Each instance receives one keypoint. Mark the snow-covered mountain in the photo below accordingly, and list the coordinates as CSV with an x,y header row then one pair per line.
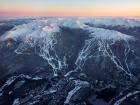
x,y
72,49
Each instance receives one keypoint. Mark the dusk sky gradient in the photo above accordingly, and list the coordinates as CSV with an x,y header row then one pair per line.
x,y
69,8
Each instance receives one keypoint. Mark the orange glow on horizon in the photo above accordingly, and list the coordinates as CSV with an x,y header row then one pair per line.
x,y
68,13
17,8
32,11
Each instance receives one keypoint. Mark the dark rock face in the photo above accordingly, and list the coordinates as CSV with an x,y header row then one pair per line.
x,y
25,90
38,91
82,64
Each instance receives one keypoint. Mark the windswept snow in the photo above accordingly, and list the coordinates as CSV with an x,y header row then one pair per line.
x,y
105,34
114,22
51,28
53,24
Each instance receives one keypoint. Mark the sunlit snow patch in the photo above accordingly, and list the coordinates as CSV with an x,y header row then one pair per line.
x,y
105,34
51,28
14,33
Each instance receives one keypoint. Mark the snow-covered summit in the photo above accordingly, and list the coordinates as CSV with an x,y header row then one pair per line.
x,y
126,22
52,25
106,34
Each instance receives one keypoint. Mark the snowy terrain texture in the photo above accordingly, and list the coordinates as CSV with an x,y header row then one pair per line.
x,y
70,61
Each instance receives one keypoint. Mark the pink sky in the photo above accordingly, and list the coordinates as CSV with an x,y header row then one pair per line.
x,y
18,8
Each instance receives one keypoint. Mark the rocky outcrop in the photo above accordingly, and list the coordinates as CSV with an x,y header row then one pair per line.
x,y
26,90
